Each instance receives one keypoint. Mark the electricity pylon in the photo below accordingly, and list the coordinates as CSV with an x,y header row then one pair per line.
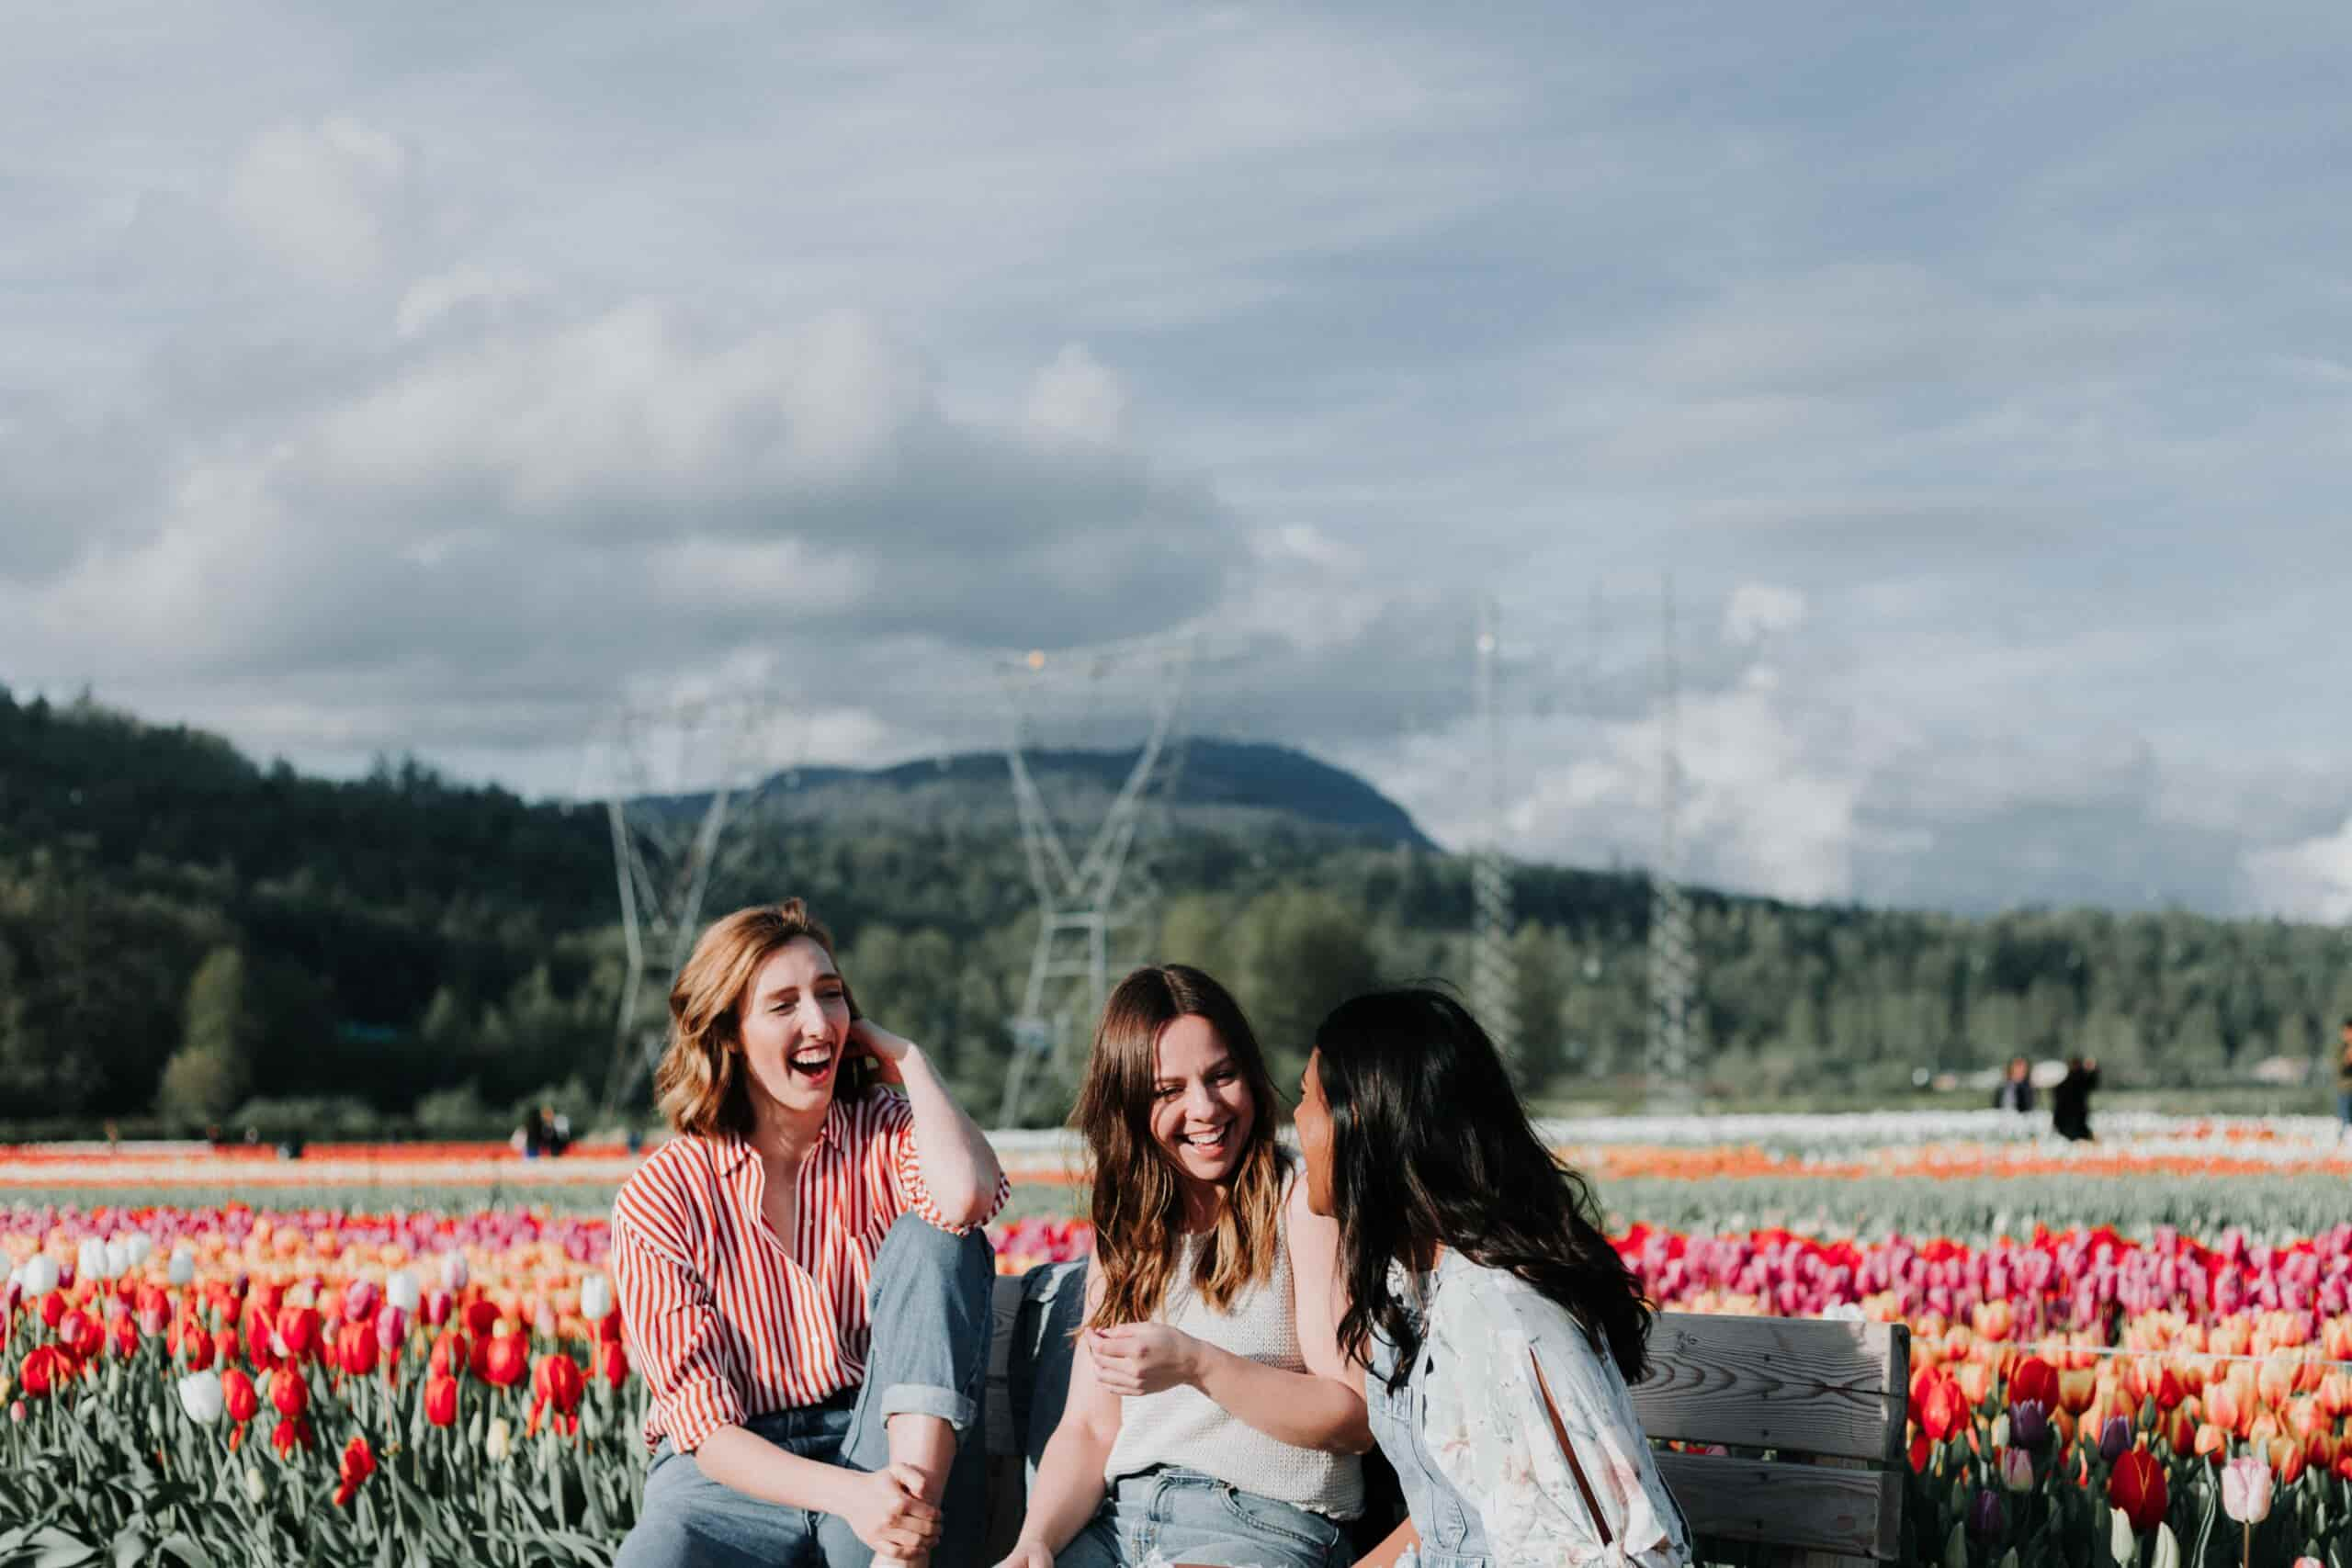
x,y
1673,967
1086,900
673,780
1494,971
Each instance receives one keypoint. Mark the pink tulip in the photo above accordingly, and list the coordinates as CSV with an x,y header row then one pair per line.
x,y
2246,1490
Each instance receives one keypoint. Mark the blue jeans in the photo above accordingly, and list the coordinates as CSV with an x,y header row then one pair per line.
x,y
930,1354
1183,1516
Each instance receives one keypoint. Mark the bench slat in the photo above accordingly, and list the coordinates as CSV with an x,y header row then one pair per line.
x,y
1804,1386
1857,1513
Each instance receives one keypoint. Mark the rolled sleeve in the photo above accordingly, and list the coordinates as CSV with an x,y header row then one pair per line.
x,y
908,1189
673,1334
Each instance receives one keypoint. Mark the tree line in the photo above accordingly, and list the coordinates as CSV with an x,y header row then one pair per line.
x,y
189,939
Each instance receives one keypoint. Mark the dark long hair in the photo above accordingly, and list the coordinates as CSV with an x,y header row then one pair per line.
x,y
1139,1197
1430,1147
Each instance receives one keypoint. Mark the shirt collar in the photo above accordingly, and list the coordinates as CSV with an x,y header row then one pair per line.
x,y
732,1153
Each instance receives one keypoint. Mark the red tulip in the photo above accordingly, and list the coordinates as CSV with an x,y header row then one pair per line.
x,y
126,1339
613,1363
238,1395
2035,1378
358,1464
503,1359
45,1366
286,1435
52,1308
289,1392
441,1400
298,1327
481,1316
1945,1411
258,1334
2138,1488
81,1335
355,1348
556,1385
449,1354
196,1347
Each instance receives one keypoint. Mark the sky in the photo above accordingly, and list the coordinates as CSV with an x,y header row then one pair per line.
x,y
438,379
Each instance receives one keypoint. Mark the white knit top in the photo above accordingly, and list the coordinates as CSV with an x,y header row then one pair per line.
x,y
1181,1425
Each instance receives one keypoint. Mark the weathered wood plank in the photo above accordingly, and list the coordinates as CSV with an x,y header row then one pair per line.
x,y
1807,1506
1799,1384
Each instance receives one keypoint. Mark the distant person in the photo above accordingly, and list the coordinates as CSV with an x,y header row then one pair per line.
x,y
2344,1085
2016,1093
529,1140
555,1132
2070,1102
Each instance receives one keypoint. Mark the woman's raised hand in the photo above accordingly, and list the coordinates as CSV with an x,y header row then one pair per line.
x,y
887,1512
1135,1359
886,1049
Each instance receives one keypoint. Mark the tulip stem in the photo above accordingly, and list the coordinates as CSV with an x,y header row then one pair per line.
x,y
2249,1545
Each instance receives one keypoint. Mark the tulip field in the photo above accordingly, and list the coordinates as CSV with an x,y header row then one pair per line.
x,y
2134,1352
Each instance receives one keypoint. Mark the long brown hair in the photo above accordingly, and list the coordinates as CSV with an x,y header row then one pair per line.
x,y
1138,1201
703,1084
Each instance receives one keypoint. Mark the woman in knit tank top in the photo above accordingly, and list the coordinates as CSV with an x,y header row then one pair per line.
x,y
1211,1419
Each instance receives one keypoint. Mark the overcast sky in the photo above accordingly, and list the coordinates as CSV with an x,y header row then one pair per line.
x,y
427,379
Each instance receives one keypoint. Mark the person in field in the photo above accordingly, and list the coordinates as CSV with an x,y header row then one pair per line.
x,y
801,1274
1210,1418
1493,1325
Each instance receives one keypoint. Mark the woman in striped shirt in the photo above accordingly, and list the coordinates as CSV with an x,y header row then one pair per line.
x,y
801,1274
1211,1419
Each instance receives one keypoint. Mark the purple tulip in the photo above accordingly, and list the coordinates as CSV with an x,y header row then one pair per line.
x,y
1984,1513
2114,1437
2030,1423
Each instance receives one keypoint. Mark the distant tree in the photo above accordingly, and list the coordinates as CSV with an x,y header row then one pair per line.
x,y
1540,960
208,1074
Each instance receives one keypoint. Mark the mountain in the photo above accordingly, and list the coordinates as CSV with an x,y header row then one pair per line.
x,y
1224,786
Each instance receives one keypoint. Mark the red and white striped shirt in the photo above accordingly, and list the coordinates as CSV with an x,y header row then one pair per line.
x,y
726,1322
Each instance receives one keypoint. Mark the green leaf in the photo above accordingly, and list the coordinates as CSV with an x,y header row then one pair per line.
x,y
187,1550
55,1549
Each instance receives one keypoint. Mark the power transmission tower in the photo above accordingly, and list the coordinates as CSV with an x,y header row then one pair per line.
x,y
1673,968
672,781
1494,974
1083,905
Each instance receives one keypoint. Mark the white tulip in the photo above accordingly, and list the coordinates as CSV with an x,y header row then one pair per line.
x,y
453,1271
91,1262
41,1275
256,1484
182,1270
499,1441
141,1247
118,1259
400,1290
595,1298
200,1397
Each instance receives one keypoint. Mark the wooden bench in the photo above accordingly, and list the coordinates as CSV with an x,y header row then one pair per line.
x,y
1811,1413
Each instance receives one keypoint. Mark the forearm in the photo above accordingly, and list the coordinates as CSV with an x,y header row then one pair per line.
x,y
1302,1409
735,1457
958,1165
1069,1487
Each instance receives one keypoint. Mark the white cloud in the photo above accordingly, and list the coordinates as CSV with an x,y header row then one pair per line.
x,y
322,199
1076,398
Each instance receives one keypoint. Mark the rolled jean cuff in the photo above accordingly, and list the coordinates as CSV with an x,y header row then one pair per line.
x,y
928,1399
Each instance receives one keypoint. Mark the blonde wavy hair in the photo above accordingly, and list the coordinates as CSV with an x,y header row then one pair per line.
x,y
703,1084
1139,1197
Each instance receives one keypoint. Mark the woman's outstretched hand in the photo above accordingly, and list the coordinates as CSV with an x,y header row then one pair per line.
x,y
887,1512
1135,1359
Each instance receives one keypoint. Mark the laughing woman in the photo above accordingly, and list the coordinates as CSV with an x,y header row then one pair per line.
x,y
801,1274
1210,1416
1498,1327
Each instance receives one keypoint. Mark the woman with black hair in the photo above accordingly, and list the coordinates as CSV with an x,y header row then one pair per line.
x,y
1497,1327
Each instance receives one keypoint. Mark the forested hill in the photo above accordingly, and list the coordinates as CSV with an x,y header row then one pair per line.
x,y
186,935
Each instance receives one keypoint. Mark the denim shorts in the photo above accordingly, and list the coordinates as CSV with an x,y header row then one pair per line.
x,y
1168,1515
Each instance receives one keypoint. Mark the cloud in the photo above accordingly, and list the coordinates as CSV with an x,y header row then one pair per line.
x,y
322,199
1076,398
